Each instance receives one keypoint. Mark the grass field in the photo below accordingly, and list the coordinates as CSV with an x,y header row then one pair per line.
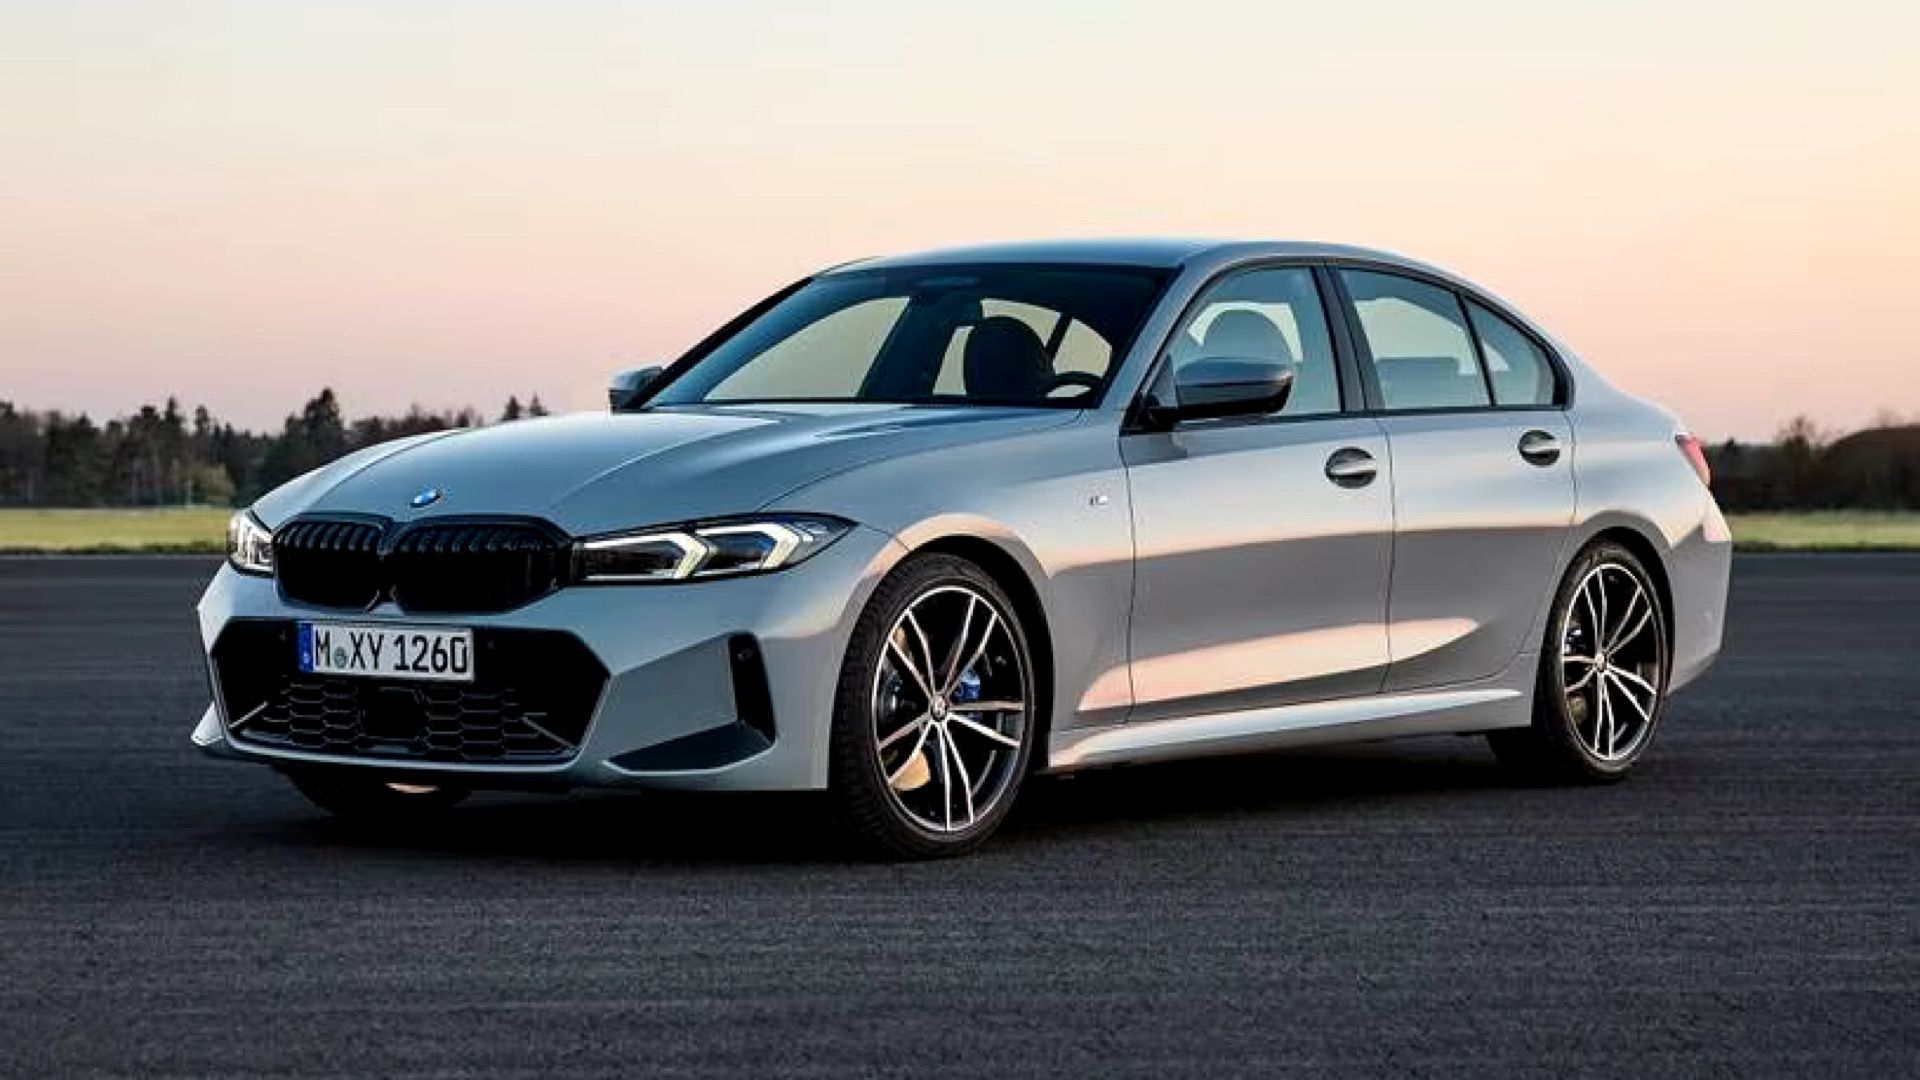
x,y
203,529
1827,530
168,529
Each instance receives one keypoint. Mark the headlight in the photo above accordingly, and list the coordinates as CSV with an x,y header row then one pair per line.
x,y
249,544
715,549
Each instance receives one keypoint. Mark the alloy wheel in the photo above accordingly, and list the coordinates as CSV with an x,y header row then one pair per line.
x,y
949,710
1611,660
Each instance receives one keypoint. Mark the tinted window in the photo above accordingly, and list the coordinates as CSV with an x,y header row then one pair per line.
x,y
1519,368
1418,337
829,357
1005,335
1071,345
1273,315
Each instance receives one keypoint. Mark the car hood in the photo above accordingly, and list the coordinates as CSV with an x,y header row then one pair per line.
x,y
590,473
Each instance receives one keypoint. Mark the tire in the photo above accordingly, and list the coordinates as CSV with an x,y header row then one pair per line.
x,y
1574,738
373,799
908,779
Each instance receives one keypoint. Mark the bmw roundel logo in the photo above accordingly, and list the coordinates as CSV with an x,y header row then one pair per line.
x,y
427,497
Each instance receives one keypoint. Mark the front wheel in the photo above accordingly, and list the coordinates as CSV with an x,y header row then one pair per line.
x,y
1602,685
934,717
372,799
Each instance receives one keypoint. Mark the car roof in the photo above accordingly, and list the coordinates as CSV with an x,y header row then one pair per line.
x,y
1204,256
1166,253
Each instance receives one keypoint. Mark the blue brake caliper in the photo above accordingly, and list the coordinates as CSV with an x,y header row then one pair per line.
x,y
968,688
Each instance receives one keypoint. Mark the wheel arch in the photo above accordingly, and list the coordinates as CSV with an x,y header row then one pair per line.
x,y
1640,542
1011,574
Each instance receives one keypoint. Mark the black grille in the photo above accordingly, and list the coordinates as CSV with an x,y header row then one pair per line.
x,y
332,563
475,566
533,694
453,566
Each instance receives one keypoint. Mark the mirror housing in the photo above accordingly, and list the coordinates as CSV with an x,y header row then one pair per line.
x,y
627,388
1213,387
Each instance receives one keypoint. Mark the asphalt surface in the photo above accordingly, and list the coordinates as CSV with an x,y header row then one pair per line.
x,y
1748,904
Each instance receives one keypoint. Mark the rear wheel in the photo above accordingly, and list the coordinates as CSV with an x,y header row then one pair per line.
x,y
1602,685
934,717
374,799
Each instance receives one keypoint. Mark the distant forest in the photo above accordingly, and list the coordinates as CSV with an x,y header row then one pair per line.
x,y
163,456
1803,468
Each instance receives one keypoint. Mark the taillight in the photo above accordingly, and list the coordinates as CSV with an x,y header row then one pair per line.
x,y
1696,457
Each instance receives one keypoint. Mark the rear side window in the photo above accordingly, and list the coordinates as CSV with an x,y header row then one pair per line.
x,y
1518,367
1417,335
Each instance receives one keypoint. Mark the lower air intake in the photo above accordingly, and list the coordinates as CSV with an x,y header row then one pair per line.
x,y
532,698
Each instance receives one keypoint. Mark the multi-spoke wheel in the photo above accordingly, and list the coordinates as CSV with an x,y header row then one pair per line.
x,y
935,715
1603,673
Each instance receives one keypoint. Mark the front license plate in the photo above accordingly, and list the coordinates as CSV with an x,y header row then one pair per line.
x,y
435,654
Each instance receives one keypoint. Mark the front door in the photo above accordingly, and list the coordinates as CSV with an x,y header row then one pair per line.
x,y
1263,545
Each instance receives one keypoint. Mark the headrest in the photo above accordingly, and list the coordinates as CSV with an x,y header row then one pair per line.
x,y
1006,361
1239,332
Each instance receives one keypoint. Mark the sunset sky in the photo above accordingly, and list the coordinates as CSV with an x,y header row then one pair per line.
x,y
443,203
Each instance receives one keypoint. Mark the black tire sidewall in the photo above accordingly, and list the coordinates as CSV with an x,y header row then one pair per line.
x,y
859,789
1552,719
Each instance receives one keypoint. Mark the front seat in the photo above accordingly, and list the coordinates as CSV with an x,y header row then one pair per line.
x,y
1246,335
1006,361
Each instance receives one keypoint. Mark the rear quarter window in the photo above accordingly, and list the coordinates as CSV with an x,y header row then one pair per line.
x,y
1517,366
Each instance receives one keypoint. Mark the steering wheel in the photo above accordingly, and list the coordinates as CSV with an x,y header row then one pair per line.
x,y
1082,379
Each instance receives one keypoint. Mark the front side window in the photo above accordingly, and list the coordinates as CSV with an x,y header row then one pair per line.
x,y
1417,335
989,335
1518,367
1272,315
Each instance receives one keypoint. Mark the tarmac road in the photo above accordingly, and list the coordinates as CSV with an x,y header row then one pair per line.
x,y
1748,904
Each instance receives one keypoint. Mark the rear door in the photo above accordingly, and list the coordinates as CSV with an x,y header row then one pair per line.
x,y
1483,473
1263,543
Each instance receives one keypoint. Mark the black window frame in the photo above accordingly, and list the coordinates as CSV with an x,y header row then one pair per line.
x,y
1563,385
698,352
1346,368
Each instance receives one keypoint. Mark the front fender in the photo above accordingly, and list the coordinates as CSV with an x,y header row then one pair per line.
x,y
1055,502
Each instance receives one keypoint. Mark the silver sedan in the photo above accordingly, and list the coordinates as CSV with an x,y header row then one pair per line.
x,y
914,529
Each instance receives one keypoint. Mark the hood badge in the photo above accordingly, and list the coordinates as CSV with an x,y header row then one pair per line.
x,y
427,497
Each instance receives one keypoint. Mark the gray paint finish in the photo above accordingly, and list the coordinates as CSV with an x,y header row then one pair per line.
x,y
1203,590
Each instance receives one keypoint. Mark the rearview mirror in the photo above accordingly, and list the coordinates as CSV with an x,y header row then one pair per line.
x,y
1217,386
627,388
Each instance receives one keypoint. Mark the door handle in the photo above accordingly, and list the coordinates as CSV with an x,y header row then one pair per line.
x,y
1539,448
1351,467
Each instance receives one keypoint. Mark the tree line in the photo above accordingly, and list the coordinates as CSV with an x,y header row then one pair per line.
x,y
1805,468
161,456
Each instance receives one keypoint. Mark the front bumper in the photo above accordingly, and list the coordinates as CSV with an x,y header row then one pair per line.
x,y
669,714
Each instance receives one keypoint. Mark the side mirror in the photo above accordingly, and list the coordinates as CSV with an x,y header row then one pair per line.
x,y
627,388
1217,386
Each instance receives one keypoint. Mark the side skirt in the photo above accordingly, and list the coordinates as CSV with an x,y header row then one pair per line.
x,y
1386,716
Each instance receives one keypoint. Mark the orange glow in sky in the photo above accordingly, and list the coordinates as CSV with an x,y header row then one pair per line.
x,y
444,203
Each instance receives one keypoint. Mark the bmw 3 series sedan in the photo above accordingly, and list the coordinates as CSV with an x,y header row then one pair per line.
x,y
914,529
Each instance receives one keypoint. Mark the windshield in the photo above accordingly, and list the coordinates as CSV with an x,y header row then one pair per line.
x,y
990,335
